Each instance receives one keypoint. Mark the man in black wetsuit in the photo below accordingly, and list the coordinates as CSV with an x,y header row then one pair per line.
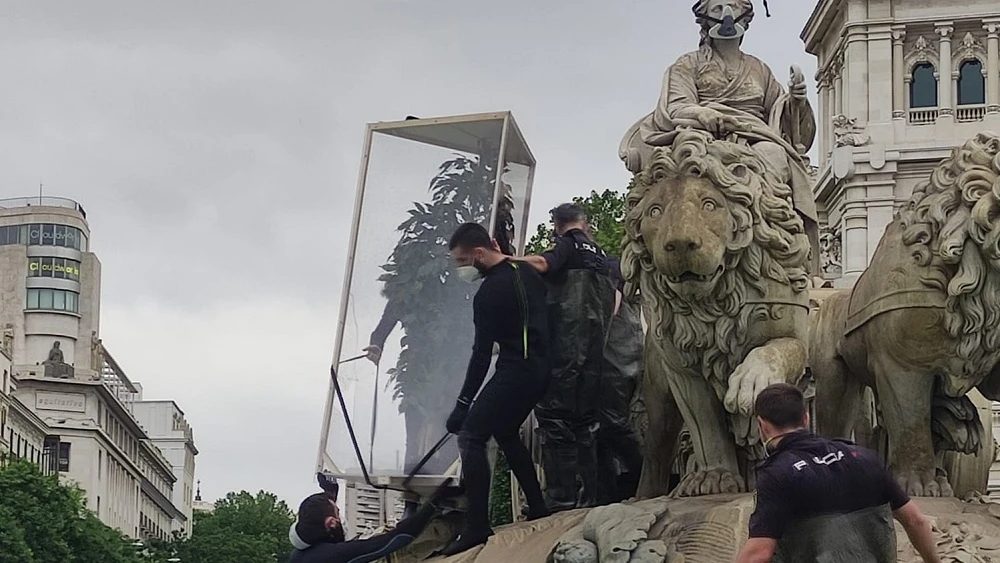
x,y
508,309
824,500
581,303
318,535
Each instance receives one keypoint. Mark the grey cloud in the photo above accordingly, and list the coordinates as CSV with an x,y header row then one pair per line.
x,y
216,143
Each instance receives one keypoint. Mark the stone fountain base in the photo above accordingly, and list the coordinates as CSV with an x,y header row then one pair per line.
x,y
697,530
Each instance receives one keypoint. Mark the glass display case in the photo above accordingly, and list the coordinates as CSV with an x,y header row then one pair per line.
x,y
420,179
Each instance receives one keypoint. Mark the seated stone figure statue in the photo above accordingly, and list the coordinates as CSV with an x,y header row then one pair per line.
x,y
735,96
55,365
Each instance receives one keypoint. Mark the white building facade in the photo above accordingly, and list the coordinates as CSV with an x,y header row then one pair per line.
x,y
170,432
368,510
50,284
69,404
901,83
102,448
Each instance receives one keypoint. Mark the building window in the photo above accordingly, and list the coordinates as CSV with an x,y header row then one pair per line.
x,y
44,234
53,300
971,83
48,267
14,234
923,87
64,457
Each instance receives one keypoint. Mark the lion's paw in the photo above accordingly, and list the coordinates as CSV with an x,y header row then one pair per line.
x,y
709,482
749,378
925,484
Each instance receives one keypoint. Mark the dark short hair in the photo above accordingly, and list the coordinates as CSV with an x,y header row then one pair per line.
x,y
468,236
313,512
782,405
567,213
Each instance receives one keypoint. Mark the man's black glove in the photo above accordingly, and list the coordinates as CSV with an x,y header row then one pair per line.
x,y
457,416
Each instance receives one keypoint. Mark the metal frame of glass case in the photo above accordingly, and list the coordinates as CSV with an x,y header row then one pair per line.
x,y
464,134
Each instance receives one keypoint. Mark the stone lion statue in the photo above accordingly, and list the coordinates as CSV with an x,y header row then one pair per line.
x,y
719,257
922,325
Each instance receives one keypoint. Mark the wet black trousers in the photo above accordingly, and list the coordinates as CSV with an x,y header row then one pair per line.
x,y
498,412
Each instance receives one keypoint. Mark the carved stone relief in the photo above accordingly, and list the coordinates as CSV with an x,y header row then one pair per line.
x,y
830,253
847,132
921,51
970,48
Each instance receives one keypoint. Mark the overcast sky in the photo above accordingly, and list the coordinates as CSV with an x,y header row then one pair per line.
x,y
215,145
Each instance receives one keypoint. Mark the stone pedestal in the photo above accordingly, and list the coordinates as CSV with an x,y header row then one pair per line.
x,y
695,530
58,370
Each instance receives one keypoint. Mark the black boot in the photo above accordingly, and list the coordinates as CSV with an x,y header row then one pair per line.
x,y
607,476
588,470
476,469
523,468
559,462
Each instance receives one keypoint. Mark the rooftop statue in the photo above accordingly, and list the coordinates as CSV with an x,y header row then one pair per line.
x,y
734,96
55,365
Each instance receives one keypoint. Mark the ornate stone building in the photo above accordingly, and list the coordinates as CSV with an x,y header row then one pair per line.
x,y
901,82
65,403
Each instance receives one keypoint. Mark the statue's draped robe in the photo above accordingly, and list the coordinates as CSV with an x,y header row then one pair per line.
x,y
752,96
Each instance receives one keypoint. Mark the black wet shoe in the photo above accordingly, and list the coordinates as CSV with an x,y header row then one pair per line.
x,y
533,515
466,541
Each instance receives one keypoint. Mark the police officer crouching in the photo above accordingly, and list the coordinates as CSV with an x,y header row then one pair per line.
x,y
824,500
581,301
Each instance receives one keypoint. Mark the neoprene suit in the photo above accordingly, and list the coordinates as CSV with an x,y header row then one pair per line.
x,y
371,549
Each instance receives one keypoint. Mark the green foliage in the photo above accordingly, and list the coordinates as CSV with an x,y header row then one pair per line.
x,y
501,511
244,528
13,547
42,521
606,214
432,304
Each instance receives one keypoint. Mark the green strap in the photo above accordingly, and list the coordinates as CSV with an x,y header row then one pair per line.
x,y
522,299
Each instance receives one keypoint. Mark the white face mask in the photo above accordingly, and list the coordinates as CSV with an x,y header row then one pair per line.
x,y
469,273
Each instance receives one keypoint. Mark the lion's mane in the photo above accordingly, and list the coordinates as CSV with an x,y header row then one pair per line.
x,y
952,225
769,242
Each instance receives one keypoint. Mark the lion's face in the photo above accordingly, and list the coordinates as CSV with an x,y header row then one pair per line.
x,y
687,227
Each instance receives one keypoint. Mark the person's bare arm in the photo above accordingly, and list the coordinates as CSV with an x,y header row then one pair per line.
x,y
918,529
757,550
539,263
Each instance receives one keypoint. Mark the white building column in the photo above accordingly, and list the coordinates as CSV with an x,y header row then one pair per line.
x,y
992,27
856,95
945,81
838,86
898,73
855,233
825,95
880,202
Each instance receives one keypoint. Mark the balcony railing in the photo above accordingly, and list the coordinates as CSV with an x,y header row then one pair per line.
x,y
14,202
969,114
923,116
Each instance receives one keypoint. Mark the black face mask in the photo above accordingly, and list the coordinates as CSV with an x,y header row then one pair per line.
x,y
337,535
767,12
727,25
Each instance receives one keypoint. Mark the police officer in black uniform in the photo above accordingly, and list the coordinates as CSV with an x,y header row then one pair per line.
x,y
581,303
824,500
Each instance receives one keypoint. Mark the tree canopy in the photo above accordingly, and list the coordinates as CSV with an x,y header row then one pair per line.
x,y
43,521
606,214
244,528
